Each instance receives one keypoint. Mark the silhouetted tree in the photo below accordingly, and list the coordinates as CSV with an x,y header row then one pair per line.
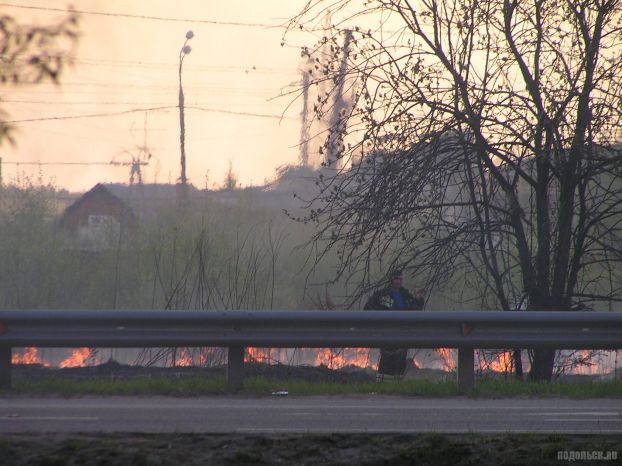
x,y
231,179
32,54
482,143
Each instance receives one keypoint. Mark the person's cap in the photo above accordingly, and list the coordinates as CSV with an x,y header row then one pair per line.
x,y
396,273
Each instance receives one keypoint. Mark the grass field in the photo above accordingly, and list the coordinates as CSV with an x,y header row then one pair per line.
x,y
198,385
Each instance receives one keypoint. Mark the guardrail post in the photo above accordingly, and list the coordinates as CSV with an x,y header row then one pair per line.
x,y
466,374
235,368
5,367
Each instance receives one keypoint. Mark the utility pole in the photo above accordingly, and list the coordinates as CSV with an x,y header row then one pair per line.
x,y
185,50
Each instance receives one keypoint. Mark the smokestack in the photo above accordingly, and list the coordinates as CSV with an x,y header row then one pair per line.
x,y
304,130
337,117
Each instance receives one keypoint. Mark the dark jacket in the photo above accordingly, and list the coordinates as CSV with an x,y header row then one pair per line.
x,y
393,361
382,300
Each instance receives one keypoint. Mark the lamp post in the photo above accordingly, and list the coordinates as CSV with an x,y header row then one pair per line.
x,y
185,50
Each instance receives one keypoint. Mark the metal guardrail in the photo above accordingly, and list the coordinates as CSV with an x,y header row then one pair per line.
x,y
236,330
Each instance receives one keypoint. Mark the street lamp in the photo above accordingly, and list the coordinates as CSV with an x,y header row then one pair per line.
x,y
185,50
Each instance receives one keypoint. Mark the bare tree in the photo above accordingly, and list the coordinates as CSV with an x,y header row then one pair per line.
x,y
32,54
231,179
483,144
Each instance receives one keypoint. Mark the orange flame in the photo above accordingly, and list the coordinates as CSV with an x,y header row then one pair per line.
x,y
343,357
29,356
447,357
586,369
78,358
197,356
416,363
359,357
185,359
502,362
259,355
331,358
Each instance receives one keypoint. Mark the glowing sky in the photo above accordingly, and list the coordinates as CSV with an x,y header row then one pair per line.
x,y
127,63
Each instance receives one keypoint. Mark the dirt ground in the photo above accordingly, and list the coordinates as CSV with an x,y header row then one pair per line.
x,y
311,450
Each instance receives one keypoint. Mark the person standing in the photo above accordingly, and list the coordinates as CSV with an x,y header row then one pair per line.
x,y
395,297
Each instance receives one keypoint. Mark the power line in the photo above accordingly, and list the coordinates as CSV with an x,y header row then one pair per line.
x,y
249,69
135,95
260,115
150,87
134,110
17,162
90,102
155,18
220,92
90,115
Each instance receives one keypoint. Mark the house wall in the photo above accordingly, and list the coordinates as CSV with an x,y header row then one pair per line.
x,y
95,205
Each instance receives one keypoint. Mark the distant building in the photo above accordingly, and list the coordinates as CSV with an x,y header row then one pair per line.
x,y
96,218
148,200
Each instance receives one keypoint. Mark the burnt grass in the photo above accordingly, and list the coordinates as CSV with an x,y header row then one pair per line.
x,y
117,371
298,449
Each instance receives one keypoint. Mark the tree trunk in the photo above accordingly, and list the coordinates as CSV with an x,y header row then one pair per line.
x,y
542,365
518,364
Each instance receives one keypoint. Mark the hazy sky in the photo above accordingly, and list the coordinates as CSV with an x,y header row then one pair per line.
x,y
126,62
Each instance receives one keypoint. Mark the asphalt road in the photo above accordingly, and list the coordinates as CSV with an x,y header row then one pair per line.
x,y
277,414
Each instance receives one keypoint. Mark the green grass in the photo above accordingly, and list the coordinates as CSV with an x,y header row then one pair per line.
x,y
194,386
189,386
512,387
405,387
